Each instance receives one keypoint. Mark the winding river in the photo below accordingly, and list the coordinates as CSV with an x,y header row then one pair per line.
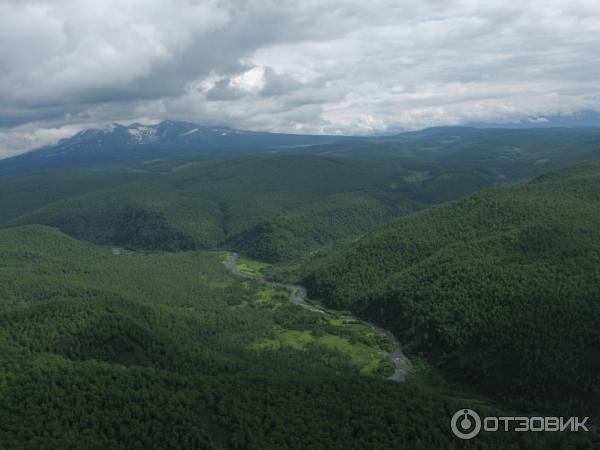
x,y
298,295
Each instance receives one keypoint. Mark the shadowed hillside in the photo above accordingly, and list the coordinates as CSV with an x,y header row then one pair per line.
x,y
498,288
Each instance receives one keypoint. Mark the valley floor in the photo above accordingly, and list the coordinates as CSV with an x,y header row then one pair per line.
x,y
298,296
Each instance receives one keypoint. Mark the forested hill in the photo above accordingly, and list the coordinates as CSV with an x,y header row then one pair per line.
x,y
272,207
501,288
103,350
271,204
155,345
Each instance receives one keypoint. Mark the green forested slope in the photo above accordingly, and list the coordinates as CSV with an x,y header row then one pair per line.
x,y
147,349
272,207
501,288
155,350
280,204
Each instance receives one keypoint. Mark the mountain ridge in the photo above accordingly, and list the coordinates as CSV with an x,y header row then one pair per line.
x,y
165,139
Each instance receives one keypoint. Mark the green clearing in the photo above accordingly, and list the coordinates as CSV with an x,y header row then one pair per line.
x,y
252,267
352,339
366,359
415,177
266,297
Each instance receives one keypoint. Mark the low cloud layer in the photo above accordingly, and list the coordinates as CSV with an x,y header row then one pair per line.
x,y
312,66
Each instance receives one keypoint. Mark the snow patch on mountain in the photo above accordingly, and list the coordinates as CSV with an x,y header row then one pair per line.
x,y
190,132
143,134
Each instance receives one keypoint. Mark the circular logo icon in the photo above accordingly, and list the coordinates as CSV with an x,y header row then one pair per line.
x,y
465,424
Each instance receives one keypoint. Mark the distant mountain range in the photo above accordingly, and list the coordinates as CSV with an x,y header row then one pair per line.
x,y
580,119
166,139
137,142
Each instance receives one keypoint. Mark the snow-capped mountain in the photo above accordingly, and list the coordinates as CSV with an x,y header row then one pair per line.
x,y
168,138
164,133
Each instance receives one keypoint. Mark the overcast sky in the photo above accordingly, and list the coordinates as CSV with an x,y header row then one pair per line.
x,y
297,66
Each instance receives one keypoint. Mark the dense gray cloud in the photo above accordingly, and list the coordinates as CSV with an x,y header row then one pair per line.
x,y
318,66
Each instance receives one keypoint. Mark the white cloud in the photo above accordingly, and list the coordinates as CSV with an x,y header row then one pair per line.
x,y
301,66
251,80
